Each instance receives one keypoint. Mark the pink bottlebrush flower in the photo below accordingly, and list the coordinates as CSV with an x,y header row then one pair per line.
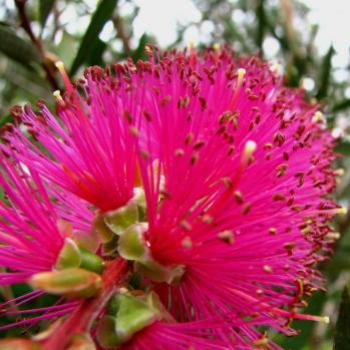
x,y
32,231
89,149
236,170
236,174
31,240
176,336
32,220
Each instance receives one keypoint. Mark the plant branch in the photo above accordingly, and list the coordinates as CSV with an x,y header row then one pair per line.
x,y
46,62
88,310
121,33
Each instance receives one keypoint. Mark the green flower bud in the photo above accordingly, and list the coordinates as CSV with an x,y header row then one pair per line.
x,y
111,248
133,315
159,273
81,341
102,230
91,261
87,240
131,245
74,282
106,335
129,314
69,255
18,344
120,219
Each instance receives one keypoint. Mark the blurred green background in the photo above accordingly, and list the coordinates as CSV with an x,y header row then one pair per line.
x,y
33,34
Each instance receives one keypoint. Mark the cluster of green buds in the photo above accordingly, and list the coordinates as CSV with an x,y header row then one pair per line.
x,y
123,233
77,274
127,314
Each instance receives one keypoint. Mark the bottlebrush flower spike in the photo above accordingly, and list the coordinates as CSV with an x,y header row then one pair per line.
x,y
31,240
151,322
91,144
176,336
236,180
35,219
236,172
32,232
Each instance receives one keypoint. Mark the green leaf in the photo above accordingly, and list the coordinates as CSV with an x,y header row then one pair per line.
x,y
96,57
261,25
45,7
67,48
101,16
325,73
16,48
316,303
342,329
344,104
343,147
7,118
139,53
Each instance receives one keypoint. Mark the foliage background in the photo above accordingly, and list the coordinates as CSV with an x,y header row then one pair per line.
x,y
33,34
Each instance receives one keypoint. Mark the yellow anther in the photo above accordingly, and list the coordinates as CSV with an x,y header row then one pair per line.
x,y
60,66
216,46
333,235
324,319
267,268
276,68
249,149
227,236
339,172
191,44
272,230
58,96
187,243
240,76
341,211
318,116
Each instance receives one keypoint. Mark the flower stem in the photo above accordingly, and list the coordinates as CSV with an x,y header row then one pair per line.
x,y
89,309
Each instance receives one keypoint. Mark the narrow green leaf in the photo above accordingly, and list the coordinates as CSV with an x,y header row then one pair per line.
x,y
45,7
342,329
261,25
139,53
96,56
299,342
325,73
101,16
344,104
343,147
3,120
16,48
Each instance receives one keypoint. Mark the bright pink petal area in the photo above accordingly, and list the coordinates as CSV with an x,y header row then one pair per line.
x,y
33,316
237,173
191,335
89,149
32,232
74,210
29,234
248,226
